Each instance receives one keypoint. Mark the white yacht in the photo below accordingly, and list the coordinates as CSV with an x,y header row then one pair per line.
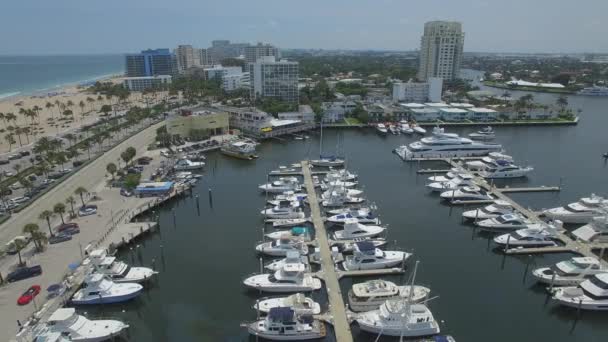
x,y
594,91
288,196
418,129
581,211
488,161
240,149
292,257
505,222
353,230
282,185
405,127
496,209
447,177
339,211
594,231
284,204
338,184
117,270
297,231
362,216
281,212
340,175
459,181
349,245
367,257
527,237
187,164
569,272
393,129
281,246
297,302
278,223
485,133
291,278
504,169
329,161
339,199
284,324
591,294
371,294
98,289
341,191
467,193
381,129
74,327
445,145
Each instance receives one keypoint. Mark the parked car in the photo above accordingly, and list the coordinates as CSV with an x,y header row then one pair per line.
x,y
32,177
38,158
15,186
126,192
133,170
64,226
55,175
25,153
29,295
7,192
77,163
65,171
14,156
60,238
47,182
24,273
19,199
87,210
71,231
4,161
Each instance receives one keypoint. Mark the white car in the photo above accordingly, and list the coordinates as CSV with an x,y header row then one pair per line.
x,y
19,199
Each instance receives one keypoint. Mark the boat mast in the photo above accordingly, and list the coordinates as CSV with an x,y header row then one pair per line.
x,y
321,141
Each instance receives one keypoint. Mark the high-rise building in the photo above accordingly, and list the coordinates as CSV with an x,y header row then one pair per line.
x,y
274,79
151,63
205,57
441,50
252,53
187,57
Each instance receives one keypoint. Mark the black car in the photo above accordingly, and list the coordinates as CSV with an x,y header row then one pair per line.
x,y
77,163
55,175
24,273
32,177
4,161
25,153
60,238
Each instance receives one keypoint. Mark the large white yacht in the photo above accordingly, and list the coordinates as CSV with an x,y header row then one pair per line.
x,y
467,193
117,270
594,231
353,230
591,294
459,181
290,278
371,294
74,327
281,246
98,289
338,183
505,222
339,198
367,257
569,272
282,185
498,208
297,302
581,211
284,324
445,145
527,237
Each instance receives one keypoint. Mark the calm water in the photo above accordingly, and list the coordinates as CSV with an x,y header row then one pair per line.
x,y
31,74
483,295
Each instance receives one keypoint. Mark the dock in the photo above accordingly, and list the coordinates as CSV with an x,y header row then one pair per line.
x,y
340,318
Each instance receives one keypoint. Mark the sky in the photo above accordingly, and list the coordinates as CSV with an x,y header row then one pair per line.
x,y
119,26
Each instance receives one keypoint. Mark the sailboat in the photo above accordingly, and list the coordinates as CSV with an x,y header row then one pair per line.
x,y
326,161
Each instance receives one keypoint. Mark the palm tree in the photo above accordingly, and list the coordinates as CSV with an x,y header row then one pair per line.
x,y
80,191
49,106
562,101
32,229
71,138
37,110
59,208
10,140
111,168
70,200
81,105
86,144
90,100
2,118
19,131
46,215
17,245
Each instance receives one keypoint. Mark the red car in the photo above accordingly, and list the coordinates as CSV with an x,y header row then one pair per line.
x,y
29,295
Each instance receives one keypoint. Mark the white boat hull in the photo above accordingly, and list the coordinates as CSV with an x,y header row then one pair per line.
x,y
545,275
420,293
572,218
312,335
400,329
261,283
312,307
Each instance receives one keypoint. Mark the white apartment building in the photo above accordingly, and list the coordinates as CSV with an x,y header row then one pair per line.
x,y
187,57
274,79
418,91
441,49
145,82
231,78
252,53
219,71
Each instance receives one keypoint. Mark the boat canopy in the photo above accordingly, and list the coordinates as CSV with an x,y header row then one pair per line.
x,y
281,314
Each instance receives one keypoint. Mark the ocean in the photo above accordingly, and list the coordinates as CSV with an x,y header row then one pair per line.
x,y
25,75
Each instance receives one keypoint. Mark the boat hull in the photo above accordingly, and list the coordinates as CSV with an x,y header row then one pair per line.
x,y
239,155
106,300
422,329
312,335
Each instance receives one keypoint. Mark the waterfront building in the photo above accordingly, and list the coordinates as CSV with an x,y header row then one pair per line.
x,y
304,114
453,114
151,63
187,57
274,79
252,53
337,110
441,48
418,91
483,114
146,82
199,122
261,125
424,114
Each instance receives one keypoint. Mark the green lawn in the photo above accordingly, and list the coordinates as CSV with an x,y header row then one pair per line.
x,y
352,121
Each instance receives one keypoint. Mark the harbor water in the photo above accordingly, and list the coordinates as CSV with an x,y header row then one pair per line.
x,y
204,254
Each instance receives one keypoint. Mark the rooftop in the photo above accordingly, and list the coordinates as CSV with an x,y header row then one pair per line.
x,y
436,104
453,110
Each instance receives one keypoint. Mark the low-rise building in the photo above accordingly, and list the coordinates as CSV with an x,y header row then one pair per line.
x,y
146,82
304,114
418,91
453,114
337,110
261,125
235,82
424,114
200,122
483,114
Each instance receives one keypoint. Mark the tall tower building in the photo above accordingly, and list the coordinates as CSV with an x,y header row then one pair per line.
x,y
187,57
441,50
252,53
150,63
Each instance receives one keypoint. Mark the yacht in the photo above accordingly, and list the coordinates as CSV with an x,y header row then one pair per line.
x,y
187,164
467,193
505,222
341,191
485,133
98,289
349,246
594,91
569,272
282,185
117,270
405,127
504,169
339,211
284,324
328,161
290,278
591,294
340,175
290,196
362,216
283,170
283,212
496,209
367,257
338,184
447,177
240,149
459,181
581,211
297,302
488,162
418,129
393,129
281,246
381,129
292,257
296,231
74,327
527,237
445,145
339,199
353,229
278,223
594,231
284,203
371,294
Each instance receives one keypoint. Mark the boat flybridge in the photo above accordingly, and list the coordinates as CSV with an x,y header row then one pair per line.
x,y
445,145
505,222
581,211
117,270
291,257
505,169
284,212
362,216
591,294
371,294
74,327
281,185
99,289
297,302
354,230
528,237
367,257
467,193
284,324
461,180
594,231
290,278
496,209
488,161
486,133
569,272
281,246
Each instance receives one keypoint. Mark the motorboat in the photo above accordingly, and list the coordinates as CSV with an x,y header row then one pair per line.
x,y
371,294
341,191
447,177
99,289
381,129
570,272
591,294
281,246
504,169
594,91
594,231
496,209
349,245
362,216
405,127
284,324
445,145
505,222
488,161
581,211
117,270
240,149
283,169
527,237
461,180
340,175
290,196
328,161
292,257
339,199
187,164
367,257
296,231
393,129
290,278
283,212
278,223
339,211
467,193
485,133
297,302
281,185
353,229
74,327
419,130
284,203
338,184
